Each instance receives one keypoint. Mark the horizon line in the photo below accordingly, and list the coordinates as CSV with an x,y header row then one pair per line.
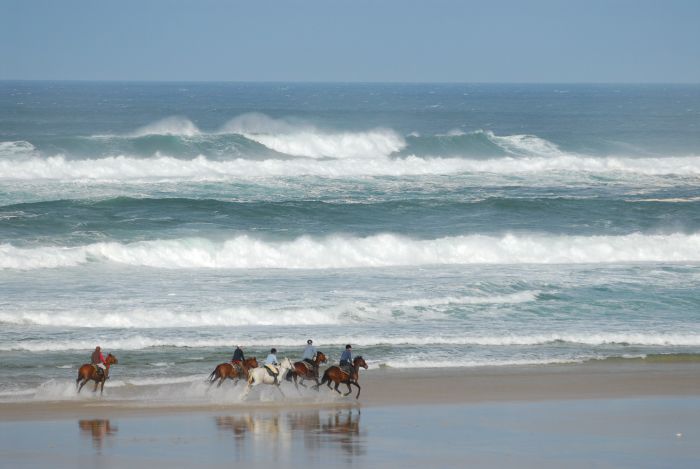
x,y
338,82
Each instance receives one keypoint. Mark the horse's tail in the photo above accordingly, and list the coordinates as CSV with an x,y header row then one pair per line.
x,y
250,379
290,374
325,378
211,376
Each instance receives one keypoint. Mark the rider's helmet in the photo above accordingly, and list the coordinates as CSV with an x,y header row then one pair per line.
x,y
309,341
274,350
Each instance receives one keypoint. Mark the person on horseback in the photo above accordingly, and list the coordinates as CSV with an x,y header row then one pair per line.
x,y
98,361
346,359
309,356
271,364
238,357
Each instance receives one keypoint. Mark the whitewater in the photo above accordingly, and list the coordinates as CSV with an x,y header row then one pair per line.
x,y
427,225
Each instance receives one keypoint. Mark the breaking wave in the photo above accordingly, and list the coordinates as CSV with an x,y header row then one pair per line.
x,y
159,168
139,342
384,250
306,140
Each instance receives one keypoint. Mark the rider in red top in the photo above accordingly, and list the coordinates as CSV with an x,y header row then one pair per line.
x,y
98,360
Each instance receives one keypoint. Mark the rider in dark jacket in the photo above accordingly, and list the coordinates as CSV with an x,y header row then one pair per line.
x,y
238,355
346,359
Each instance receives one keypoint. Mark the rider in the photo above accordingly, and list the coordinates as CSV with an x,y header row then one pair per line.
x,y
238,357
309,355
271,363
346,358
98,360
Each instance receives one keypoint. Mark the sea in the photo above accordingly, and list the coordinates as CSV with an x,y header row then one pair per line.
x,y
428,225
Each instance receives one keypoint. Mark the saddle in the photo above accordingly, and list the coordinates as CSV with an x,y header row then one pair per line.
x,y
272,370
347,369
308,365
98,370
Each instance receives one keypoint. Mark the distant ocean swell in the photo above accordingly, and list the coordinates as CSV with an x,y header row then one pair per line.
x,y
247,252
254,145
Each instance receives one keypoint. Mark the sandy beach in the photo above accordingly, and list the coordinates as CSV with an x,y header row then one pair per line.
x,y
386,387
630,414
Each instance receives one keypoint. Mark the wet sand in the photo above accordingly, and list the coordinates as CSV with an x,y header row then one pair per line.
x,y
651,432
589,415
386,387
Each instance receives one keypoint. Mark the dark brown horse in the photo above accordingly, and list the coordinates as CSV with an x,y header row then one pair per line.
x,y
301,371
89,372
336,375
232,372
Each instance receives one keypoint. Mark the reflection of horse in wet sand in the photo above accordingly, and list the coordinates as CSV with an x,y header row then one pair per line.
x,y
337,375
303,372
232,371
97,429
89,372
262,376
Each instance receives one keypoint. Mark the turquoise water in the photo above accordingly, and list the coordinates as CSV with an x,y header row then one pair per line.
x,y
428,225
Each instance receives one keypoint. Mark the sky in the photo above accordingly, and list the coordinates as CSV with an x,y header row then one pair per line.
x,y
505,41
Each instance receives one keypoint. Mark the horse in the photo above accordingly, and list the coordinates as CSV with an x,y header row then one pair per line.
x,y
303,372
260,375
232,372
336,375
89,372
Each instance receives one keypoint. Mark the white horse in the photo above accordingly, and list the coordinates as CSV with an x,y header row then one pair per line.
x,y
261,376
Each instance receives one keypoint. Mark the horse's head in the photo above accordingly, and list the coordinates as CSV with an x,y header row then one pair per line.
x,y
359,361
111,359
286,363
252,362
321,357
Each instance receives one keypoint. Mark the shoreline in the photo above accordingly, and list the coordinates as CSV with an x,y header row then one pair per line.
x,y
396,387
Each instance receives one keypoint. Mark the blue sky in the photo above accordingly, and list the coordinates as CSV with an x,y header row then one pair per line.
x,y
360,40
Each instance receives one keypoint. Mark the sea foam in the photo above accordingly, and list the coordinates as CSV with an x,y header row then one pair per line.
x,y
160,168
383,250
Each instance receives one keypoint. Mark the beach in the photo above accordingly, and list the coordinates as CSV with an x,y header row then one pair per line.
x,y
517,264
603,414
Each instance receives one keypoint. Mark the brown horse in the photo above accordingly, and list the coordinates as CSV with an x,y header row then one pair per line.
x,y
232,372
89,372
336,375
303,372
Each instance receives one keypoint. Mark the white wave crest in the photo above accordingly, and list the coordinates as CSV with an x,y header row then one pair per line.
x,y
174,125
526,145
384,250
141,342
520,297
298,139
16,148
157,318
160,168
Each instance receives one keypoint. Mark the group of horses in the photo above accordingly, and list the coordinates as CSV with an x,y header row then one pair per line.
x,y
298,372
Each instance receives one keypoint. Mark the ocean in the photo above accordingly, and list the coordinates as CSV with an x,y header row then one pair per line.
x,y
428,225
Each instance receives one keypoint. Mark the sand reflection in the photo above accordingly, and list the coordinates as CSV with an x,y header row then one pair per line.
x,y
280,432
97,429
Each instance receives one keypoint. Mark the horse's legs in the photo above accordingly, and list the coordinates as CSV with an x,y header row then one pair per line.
x,y
349,388
102,386
358,389
97,383
82,384
280,390
336,387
